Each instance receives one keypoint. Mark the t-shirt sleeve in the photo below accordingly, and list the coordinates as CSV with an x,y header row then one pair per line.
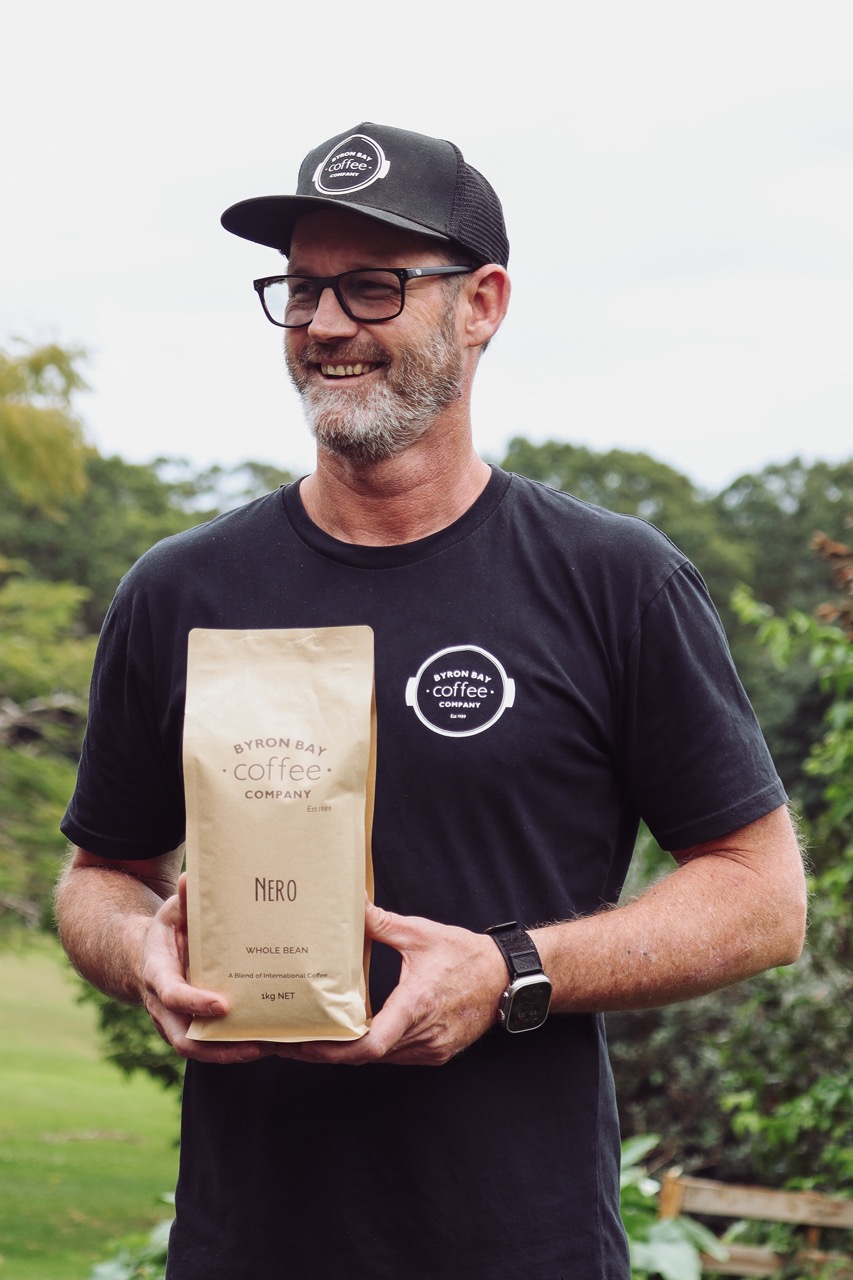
x,y
693,754
128,802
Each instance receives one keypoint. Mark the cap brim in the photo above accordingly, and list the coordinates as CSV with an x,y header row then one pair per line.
x,y
270,220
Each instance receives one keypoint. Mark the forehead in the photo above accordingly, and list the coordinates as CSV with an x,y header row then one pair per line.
x,y
342,234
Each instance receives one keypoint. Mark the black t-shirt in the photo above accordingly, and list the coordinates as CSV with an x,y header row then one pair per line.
x,y
547,673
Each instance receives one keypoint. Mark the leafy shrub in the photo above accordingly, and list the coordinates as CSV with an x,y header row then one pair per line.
x,y
138,1258
667,1248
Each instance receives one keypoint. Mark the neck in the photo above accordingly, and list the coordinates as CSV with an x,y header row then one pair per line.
x,y
399,500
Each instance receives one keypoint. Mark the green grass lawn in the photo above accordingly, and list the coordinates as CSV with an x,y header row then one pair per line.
x,y
85,1154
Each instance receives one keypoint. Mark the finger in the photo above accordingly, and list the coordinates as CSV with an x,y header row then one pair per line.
x,y
176,994
223,1054
404,933
391,1026
173,912
173,1028
182,898
388,1032
166,983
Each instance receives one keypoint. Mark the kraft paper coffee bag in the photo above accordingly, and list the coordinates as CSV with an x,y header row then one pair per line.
x,y
279,767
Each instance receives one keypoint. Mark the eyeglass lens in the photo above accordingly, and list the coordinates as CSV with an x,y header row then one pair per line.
x,y
366,295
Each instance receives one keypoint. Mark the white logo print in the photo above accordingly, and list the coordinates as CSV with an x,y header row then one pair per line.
x,y
460,691
351,165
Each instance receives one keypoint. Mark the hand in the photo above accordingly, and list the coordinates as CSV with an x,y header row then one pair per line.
x,y
170,1000
447,997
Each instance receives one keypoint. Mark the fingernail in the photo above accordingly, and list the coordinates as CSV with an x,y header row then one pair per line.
x,y
216,1009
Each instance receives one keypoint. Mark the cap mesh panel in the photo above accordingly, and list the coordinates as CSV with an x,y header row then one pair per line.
x,y
476,219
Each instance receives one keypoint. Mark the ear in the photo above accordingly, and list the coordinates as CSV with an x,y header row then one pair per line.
x,y
487,293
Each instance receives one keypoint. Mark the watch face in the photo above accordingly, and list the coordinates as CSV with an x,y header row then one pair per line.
x,y
529,1000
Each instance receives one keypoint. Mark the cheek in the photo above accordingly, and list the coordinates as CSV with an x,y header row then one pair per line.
x,y
293,347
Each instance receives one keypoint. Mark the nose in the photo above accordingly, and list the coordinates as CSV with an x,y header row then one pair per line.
x,y
330,320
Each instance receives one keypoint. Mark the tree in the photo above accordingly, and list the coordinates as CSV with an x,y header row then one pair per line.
x,y
219,488
773,516
801,1117
94,538
840,611
45,660
41,440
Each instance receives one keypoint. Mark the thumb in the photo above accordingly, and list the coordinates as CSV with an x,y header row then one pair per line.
x,y
388,927
376,920
182,895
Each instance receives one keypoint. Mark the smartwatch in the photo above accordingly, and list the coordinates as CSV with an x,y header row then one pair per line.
x,y
524,1005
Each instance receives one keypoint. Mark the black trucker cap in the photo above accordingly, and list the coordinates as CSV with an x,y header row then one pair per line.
x,y
406,179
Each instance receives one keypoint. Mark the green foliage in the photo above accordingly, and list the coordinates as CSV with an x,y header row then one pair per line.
x,y
668,1249
781,1079
43,650
44,673
93,539
774,514
829,652
138,1257
789,1240
807,1130
819,1115
41,441
666,1064
219,488
131,1041
34,791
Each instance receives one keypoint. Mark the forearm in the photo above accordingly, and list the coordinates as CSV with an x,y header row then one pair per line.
x,y
733,907
103,913
715,920
123,925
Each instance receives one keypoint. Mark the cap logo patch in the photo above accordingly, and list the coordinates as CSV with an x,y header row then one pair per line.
x,y
351,165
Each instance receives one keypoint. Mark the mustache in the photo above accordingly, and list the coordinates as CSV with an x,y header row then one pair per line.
x,y
342,353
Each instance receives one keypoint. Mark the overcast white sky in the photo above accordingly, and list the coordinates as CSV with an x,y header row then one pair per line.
x,y
677,179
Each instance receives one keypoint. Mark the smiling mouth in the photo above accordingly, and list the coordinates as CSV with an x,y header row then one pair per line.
x,y
348,370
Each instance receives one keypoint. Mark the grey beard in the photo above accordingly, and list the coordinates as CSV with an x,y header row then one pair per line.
x,y
398,411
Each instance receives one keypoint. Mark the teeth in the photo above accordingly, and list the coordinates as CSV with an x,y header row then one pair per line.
x,y
345,371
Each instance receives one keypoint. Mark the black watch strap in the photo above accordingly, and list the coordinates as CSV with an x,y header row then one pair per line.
x,y
517,948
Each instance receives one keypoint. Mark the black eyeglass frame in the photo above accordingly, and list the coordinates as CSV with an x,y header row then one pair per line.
x,y
403,274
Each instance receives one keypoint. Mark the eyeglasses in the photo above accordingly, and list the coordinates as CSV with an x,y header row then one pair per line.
x,y
369,296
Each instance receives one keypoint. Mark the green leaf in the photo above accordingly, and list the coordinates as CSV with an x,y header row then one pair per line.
x,y
671,1259
636,1148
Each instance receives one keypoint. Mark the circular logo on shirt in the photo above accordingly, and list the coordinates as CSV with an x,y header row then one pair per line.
x,y
351,165
460,691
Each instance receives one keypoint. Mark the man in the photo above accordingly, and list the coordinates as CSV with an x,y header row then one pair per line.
x,y
547,673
